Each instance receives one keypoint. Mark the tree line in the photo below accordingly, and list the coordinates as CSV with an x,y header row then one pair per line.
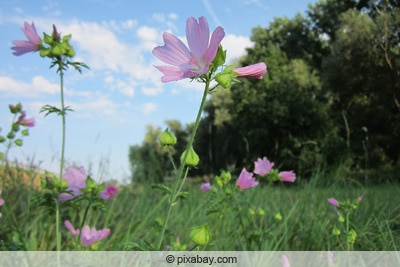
x,y
331,97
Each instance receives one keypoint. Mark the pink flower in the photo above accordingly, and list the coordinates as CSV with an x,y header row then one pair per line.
x,y
253,71
71,228
288,176
360,198
246,180
263,166
91,235
285,261
205,186
193,61
108,192
21,47
76,178
25,122
333,202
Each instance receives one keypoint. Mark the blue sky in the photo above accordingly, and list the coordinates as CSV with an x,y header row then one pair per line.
x,y
122,92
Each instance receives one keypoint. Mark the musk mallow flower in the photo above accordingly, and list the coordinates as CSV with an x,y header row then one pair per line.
x,y
256,71
76,179
205,186
246,180
30,122
191,61
287,176
109,192
21,46
262,166
91,235
333,202
71,229
285,261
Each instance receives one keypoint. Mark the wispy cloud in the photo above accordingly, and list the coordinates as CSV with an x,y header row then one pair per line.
x,y
210,10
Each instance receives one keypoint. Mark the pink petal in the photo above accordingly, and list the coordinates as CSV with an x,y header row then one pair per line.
x,y
333,202
197,35
253,71
216,39
287,176
173,52
285,261
69,226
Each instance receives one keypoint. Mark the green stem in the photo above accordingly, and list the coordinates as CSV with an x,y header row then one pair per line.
x,y
84,219
180,172
60,69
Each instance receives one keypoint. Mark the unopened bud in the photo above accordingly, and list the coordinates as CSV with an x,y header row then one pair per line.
x,y
192,159
167,138
200,235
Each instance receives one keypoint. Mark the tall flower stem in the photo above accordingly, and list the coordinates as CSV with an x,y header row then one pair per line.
x,y
180,173
60,63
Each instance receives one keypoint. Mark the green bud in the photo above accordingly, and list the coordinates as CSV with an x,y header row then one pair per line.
x,y
10,135
18,142
252,212
341,219
335,231
57,50
219,182
351,237
15,109
278,216
90,183
225,176
192,159
2,139
200,235
15,127
70,52
24,132
48,39
273,175
226,77
261,212
44,52
167,138
1,155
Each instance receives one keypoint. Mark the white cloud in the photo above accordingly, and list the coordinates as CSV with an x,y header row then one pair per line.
x,y
148,108
37,86
152,91
235,46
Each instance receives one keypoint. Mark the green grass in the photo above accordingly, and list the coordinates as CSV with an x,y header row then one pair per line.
x,y
137,212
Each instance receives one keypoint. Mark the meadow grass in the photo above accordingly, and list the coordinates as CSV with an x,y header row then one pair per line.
x,y
136,215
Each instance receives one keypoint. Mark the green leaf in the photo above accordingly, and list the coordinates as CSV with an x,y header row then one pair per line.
x,y
165,189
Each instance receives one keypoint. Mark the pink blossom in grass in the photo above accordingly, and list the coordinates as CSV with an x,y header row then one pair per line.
x,y
256,71
91,235
205,186
333,202
76,178
71,228
285,261
193,61
246,180
30,122
262,166
109,192
360,198
287,176
21,46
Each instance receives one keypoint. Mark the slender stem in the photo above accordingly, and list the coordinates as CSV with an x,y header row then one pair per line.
x,y
180,172
60,69
84,218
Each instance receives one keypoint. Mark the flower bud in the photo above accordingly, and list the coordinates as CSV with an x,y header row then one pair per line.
x,y
167,138
200,235
192,159
18,142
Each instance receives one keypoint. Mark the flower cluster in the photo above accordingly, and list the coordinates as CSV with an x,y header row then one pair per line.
x,y
19,121
88,236
79,182
264,168
202,56
56,46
